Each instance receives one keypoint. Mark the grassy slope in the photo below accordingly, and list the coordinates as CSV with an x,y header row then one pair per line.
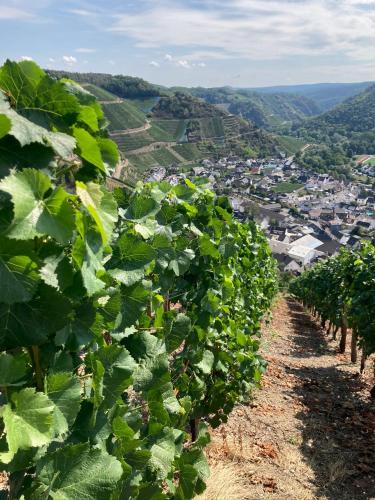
x,y
286,187
290,144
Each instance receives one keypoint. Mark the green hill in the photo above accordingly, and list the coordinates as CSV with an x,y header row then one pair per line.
x,y
340,134
351,124
127,87
325,95
265,110
170,120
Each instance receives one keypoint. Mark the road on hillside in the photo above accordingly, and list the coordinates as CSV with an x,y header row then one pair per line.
x,y
130,131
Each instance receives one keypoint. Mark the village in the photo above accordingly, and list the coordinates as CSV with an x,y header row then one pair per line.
x,y
306,216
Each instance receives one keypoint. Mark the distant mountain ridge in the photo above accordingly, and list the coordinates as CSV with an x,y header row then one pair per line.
x,y
325,95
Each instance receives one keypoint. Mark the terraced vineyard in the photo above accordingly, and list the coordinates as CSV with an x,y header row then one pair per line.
x,y
132,142
142,162
212,128
175,128
189,152
164,157
145,105
161,156
231,126
123,115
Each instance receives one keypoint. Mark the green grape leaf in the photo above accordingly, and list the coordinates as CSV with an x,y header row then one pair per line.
x,y
57,272
20,326
119,367
36,95
181,263
101,206
178,332
30,323
130,258
88,148
13,369
78,471
64,389
162,454
135,298
18,272
88,253
207,247
26,132
34,213
5,125
88,116
206,363
121,429
141,207
109,151
188,480
28,420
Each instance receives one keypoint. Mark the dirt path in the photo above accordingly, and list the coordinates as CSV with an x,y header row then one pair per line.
x,y
152,147
310,431
130,131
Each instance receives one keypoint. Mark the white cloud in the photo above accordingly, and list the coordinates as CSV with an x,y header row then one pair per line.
x,y
81,12
26,58
155,64
69,60
168,57
84,50
14,13
202,65
51,59
184,63
255,29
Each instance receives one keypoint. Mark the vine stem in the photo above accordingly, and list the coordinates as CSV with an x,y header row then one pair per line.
x,y
35,355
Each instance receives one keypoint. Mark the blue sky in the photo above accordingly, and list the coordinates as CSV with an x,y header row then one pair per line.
x,y
191,42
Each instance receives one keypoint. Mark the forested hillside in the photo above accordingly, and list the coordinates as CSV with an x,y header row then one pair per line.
x,y
127,87
182,105
355,115
341,133
265,110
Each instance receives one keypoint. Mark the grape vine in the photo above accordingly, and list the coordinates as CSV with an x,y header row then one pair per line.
x,y
341,291
129,321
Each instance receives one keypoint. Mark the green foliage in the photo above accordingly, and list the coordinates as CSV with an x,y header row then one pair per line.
x,y
182,106
343,287
50,122
344,131
123,316
326,159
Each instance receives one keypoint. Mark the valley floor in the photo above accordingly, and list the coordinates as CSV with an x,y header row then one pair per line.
x,y
309,433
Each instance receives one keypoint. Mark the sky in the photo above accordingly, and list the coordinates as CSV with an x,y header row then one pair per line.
x,y
242,43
